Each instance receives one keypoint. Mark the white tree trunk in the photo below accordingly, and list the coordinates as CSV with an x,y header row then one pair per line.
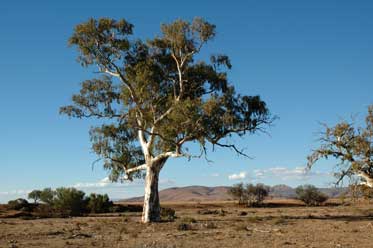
x,y
152,209
367,179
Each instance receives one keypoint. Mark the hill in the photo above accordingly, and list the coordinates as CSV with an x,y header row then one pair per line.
x,y
220,193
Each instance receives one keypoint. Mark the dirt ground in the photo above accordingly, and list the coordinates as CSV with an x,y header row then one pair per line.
x,y
282,224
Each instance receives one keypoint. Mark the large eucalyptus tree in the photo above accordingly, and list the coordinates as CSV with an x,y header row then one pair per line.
x,y
154,96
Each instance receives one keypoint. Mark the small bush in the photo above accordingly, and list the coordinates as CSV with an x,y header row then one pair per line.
x,y
184,227
250,194
168,214
237,191
45,211
35,195
47,196
256,194
208,211
19,204
310,195
97,203
188,220
70,201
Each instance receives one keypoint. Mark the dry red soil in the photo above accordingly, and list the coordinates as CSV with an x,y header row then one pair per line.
x,y
284,224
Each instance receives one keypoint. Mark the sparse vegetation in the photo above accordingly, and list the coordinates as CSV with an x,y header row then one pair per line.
x,y
256,194
35,195
47,196
97,203
252,195
70,201
19,204
237,191
188,220
168,214
310,195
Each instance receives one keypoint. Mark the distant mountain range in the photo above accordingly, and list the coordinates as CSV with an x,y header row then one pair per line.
x,y
220,193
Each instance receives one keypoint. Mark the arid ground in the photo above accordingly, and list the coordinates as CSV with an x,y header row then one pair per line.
x,y
283,223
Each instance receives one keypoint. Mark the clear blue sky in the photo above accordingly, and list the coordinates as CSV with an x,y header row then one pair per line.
x,y
312,61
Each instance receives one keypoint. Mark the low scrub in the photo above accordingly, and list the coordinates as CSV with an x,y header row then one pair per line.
x,y
310,195
70,201
64,202
19,204
97,203
168,214
249,194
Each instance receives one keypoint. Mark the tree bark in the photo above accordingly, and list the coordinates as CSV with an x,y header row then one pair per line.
x,y
152,209
368,179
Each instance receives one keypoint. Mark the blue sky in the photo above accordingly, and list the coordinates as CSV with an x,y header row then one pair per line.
x,y
311,61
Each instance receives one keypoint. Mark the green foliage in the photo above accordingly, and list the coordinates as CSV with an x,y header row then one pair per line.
x,y
35,195
168,214
352,146
99,203
310,195
256,193
70,201
157,92
19,204
252,195
237,191
47,195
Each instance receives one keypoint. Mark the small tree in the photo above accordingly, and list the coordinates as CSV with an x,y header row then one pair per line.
x,y
70,201
47,196
237,191
256,194
155,96
352,146
97,203
35,195
310,195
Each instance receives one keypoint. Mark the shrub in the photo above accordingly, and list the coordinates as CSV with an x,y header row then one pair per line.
x,y
70,201
47,196
184,227
188,220
45,211
99,203
252,195
168,214
310,195
35,195
256,194
19,204
237,191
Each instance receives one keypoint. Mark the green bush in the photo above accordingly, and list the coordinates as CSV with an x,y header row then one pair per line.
x,y
47,196
256,194
19,204
70,201
237,191
99,203
250,194
310,195
168,214
35,195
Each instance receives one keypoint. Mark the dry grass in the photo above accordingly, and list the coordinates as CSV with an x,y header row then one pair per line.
x,y
284,224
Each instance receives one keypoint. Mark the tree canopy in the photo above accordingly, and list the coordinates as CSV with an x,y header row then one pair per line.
x,y
155,95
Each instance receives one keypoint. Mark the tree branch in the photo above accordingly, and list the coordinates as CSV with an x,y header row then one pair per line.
x,y
137,168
